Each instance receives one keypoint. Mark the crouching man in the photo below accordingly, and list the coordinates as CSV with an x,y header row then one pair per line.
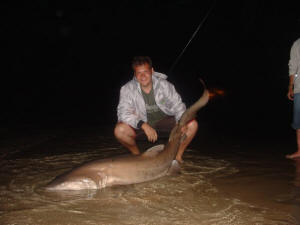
x,y
149,105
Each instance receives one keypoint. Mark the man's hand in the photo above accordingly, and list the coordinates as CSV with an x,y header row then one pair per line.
x,y
290,93
184,129
150,132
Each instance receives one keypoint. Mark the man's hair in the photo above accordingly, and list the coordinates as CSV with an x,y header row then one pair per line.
x,y
141,60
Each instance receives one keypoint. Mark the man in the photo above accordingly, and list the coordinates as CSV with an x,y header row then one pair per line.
x,y
294,92
149,104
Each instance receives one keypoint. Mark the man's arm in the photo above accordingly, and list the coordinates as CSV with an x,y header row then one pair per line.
x,y
126,112
175,104
293,67
290,94
150,132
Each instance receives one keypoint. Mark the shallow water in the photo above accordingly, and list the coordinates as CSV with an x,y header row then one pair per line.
x,y
219,184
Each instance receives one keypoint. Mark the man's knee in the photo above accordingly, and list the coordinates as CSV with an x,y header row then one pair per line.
x,y
119,129
123,129
192,127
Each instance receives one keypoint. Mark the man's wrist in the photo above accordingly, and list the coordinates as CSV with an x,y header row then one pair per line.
x,y
140,123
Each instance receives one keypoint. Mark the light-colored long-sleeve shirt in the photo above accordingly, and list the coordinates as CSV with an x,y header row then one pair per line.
x,y
294,65
131,108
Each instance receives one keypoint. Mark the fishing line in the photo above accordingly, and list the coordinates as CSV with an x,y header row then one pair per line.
x,y
192,37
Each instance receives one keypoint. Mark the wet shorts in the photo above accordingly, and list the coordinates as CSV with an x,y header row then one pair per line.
x,y
162,127
296,112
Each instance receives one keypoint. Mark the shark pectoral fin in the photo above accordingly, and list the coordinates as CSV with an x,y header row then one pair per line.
x,y
153,151
175,168
102,179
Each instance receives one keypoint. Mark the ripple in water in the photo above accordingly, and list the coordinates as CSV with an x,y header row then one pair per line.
x,y
188,198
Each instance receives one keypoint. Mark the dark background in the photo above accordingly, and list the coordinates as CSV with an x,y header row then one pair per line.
x,y
64,61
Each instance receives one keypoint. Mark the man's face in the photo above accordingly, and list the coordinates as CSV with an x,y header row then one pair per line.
x,y
143,74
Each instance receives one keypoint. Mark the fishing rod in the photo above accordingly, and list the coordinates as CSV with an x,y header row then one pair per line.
x,y
192,37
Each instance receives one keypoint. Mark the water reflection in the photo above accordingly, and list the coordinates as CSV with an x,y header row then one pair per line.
x,y
297,174
295,198
189,198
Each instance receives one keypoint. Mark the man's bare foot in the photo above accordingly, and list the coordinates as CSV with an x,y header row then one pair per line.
x,y
180,160
294,155
134,150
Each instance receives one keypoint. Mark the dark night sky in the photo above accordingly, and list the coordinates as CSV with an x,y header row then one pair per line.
x,y
66,61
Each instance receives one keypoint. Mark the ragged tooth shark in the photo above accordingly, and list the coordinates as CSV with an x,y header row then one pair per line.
x,y
156,162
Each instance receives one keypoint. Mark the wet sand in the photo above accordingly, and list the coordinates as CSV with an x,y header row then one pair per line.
x,y
224,180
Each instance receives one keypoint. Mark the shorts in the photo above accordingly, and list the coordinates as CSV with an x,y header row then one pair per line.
x,y
162,127
296,112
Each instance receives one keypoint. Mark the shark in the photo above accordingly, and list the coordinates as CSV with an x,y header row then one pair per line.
x,y
156,162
